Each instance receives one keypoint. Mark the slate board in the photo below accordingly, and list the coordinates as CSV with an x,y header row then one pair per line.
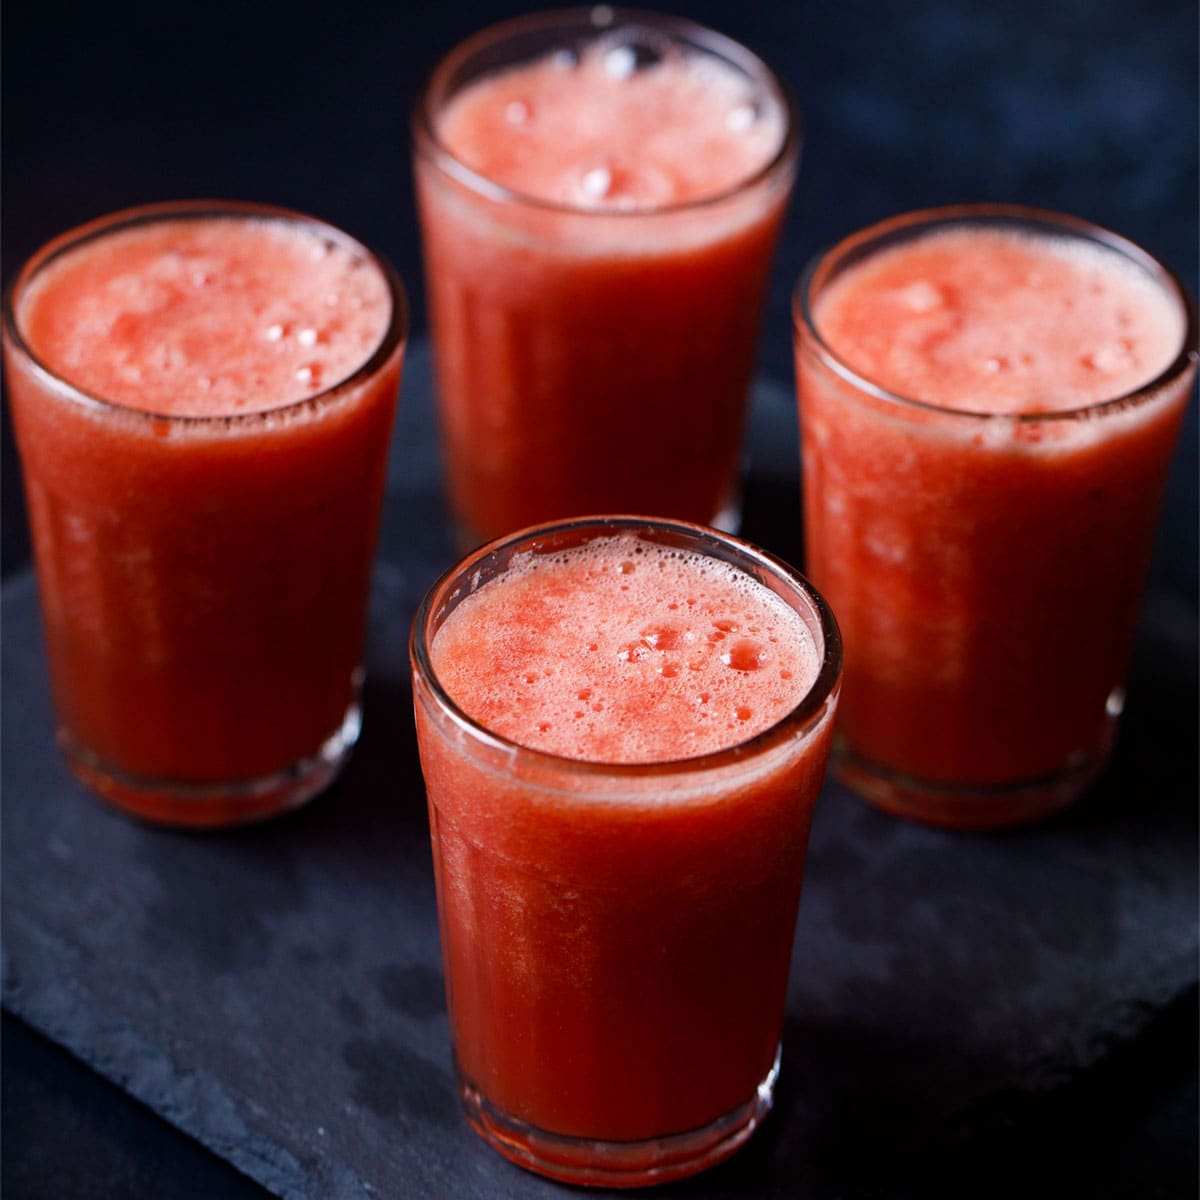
x,y
276,992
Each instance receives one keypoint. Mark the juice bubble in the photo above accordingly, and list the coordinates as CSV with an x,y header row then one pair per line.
x,y
518,112
747,655
620,62
739,119
667,637
1111,356
620,184
922,296
596,183
310,375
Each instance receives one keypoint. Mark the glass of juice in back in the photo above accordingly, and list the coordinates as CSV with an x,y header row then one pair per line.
x,y
600,193
989,401
623,726
202,396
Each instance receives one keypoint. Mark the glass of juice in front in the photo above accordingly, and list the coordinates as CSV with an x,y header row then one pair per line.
x,y
623,726
202,396
600,193
989,401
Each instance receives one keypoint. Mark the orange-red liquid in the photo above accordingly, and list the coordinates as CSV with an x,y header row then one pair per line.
x,y
986,573
594,341
617,949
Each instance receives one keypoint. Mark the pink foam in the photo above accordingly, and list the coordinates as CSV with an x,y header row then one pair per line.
x,y
994,321
596,132
621,651
206,317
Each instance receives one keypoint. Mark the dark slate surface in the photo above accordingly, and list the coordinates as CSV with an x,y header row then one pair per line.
x,y
961,1007
1078,105
117,1147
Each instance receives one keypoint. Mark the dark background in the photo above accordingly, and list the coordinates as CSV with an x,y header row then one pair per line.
x,y
1089,106
1082,105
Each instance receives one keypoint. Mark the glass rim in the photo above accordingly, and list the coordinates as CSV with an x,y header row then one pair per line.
x,y
394,337
798,721
927,220
599,18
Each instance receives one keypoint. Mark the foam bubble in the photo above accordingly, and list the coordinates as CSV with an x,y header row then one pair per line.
x,y
595,183
739,119
746,655
922,296
620,62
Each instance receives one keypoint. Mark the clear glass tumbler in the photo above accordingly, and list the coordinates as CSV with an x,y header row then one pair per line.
x,y
204,541
986,562
595,303
617,936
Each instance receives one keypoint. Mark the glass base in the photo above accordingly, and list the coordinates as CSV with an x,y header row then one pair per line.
x,y
217,805
590,1163
967,806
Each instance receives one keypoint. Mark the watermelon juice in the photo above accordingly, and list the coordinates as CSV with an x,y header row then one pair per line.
x,y
623,727
989,402
599,197
202,397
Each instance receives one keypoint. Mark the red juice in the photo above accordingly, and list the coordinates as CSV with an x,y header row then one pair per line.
x,y
202,398
598,220
989,404
623,729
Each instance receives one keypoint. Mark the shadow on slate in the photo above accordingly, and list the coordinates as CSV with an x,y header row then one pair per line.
x,y
958,1003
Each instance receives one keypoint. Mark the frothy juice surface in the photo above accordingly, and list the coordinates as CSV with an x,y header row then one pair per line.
x,y
203,541
603,130
998,321
598,225
623,652
206,317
